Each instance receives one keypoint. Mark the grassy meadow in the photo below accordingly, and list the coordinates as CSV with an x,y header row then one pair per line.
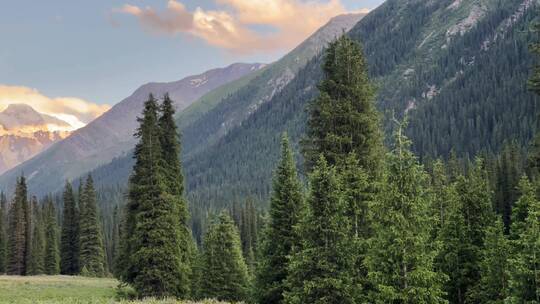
x,y
66,290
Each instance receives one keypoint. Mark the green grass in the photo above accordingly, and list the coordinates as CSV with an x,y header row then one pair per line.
x,y
66,290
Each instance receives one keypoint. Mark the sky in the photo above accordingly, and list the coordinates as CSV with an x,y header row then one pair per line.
x,y
76,58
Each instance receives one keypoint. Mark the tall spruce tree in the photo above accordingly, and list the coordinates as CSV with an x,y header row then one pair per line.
x,y
174,179
400,258
28,235
524,270
151,258
69,239
224,271
343,119
16,254
320,270
455,252
280,237
521,207
493,285
36,264
3,235
92,255
477,211
52,254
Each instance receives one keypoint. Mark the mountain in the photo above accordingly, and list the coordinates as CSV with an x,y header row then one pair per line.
x,y
111,135
24,133
232,104
457,69
211,117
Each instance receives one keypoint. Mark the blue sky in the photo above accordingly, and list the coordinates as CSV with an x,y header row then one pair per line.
x,y
100,51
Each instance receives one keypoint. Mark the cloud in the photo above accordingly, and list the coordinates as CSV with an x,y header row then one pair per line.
x,y
75,111
289,22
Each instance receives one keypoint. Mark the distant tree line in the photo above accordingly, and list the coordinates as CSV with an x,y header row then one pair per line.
x,y
33,242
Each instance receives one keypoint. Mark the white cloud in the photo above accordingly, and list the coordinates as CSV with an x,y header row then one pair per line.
x,y
230,28
75,111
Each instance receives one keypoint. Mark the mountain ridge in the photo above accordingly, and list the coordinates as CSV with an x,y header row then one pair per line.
x,y
111,134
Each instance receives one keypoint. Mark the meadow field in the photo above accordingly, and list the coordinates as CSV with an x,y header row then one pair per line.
x,y
67,290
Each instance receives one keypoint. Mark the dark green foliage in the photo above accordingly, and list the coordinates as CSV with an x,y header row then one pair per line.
x,y
69,240
170,148
174,179
320,269
224,272
3,229
521,208
470,214
343,119
91,257
533,158
280,237
454,258
28,235
534,80
400,256
37,258
52,254
115,240
524,270
152,257
509,171
16,254
493,285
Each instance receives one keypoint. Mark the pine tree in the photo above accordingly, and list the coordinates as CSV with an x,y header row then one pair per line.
x,y
286,207
224,271
115,239
400,258
3,235
92,256
454,257
151,258
320,270
16,254
521,207
477,215
36,265
28,235
174,179
69,240
493,285
524,270
441,198
343,119
52,254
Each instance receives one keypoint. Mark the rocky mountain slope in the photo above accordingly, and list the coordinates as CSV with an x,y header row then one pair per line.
x,y
111,135
24,133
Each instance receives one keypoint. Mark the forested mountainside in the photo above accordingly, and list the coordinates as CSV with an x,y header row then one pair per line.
x,y
111,135
205,121
458,69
